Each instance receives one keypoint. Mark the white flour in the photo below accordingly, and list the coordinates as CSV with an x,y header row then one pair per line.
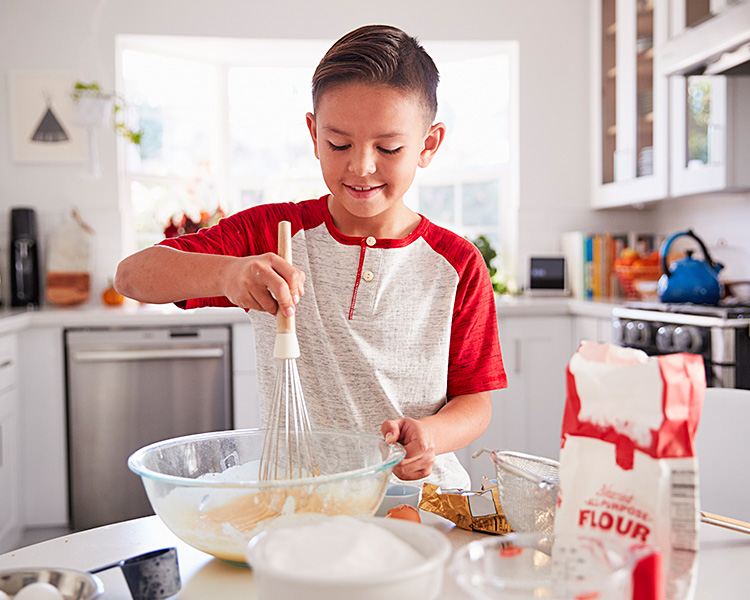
x,y
339,548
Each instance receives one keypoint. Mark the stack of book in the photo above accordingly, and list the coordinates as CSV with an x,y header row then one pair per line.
x,y
592,260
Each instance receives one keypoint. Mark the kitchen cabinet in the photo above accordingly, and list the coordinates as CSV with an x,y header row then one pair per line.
x,y
246,402
527,416
594,329
708,152
10,518
629,99
703,31
44,450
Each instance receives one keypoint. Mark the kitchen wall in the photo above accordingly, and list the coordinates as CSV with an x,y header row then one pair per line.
x,y
53,36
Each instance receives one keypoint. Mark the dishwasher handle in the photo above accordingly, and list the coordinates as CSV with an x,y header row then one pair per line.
x,y
92,356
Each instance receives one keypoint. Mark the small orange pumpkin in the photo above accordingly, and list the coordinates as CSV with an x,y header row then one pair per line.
x,y
111,297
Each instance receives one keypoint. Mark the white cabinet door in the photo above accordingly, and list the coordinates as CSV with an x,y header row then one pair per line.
x,y
593,329
629,99
10,523
527,416
245,398
10,491
44,451
708,149
701,31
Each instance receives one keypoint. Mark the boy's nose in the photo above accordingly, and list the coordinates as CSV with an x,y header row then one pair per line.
x,y
362,163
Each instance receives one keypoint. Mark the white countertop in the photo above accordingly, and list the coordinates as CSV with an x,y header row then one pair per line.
x,y
524,306
135,314
129,314
722,560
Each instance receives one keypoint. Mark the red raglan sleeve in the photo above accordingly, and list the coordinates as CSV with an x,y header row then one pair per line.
x,y
247,233
475,361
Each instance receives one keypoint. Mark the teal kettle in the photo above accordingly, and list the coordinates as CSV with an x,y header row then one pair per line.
x,y
689,279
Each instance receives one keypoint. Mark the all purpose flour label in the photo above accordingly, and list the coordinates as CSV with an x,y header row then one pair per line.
x,y
627,466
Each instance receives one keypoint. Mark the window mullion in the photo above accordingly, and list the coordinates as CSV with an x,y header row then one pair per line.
x,y
227,203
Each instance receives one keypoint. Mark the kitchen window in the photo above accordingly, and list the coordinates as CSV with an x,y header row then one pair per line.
x,y
224,130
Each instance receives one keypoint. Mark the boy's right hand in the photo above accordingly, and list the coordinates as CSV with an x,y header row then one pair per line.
x,y
264,282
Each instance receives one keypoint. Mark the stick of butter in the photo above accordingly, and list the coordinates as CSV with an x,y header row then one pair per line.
x,y
471,510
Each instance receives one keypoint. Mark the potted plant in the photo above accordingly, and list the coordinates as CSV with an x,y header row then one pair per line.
x,y
488,254
93,106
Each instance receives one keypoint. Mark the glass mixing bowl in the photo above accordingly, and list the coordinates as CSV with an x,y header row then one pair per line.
x,y
206,489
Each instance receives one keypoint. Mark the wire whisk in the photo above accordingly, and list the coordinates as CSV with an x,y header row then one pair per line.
x,y
288,445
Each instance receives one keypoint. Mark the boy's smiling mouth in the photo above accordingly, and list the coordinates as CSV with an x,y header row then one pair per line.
x,y
364,191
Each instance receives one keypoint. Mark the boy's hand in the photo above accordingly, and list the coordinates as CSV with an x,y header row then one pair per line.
x,y
417,438
264,282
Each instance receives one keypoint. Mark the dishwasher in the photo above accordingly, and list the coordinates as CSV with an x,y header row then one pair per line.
x,y
130,387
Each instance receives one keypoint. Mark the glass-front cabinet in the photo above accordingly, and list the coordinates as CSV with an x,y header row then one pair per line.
x,y
630,102
707,112
688,14
708,150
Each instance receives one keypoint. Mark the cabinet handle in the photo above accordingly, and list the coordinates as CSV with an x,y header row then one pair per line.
x,y
517,357
715,143
1,446
6,363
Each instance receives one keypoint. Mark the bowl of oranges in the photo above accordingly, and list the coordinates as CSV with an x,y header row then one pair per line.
x,y
638,273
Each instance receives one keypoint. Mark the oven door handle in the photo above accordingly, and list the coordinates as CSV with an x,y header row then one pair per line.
x,y
97,356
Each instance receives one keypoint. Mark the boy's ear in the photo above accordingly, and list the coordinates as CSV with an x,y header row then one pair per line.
x,y
310,119
432,141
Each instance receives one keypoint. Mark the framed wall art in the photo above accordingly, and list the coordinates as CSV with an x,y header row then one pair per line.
x,y
42,123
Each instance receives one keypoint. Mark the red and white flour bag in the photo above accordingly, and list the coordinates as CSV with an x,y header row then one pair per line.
x,y
627,460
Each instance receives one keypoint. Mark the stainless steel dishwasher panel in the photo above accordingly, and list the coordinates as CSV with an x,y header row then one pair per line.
x,y
128,388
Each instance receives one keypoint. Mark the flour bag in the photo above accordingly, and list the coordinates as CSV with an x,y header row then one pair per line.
x,y
627,461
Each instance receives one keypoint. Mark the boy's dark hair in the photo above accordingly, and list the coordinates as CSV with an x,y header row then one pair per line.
x,y
379,54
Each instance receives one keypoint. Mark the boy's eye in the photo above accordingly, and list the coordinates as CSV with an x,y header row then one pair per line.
x,y
387,151
336,148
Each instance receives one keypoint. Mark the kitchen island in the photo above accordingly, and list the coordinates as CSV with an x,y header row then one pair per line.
x,y
722,560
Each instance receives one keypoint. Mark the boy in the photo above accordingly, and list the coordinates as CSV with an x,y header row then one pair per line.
x,y
397,328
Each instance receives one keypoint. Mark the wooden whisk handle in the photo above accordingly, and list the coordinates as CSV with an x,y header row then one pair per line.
x,y
285,324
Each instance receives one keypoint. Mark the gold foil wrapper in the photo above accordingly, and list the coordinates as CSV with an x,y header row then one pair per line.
x,y
473,511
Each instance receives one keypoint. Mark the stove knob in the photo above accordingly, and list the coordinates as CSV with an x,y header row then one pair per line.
x,y
665,338
636,334
687,339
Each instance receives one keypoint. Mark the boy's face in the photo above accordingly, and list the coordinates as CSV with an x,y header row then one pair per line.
x,y
370,139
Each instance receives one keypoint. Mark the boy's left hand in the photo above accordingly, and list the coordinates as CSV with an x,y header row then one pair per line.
x,y
418,441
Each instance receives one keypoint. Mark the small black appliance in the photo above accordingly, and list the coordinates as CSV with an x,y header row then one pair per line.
x,y
24,259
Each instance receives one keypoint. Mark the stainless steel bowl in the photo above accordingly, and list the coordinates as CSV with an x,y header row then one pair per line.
x,y
72,584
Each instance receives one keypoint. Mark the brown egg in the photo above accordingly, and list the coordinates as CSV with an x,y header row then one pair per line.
x,y
405,512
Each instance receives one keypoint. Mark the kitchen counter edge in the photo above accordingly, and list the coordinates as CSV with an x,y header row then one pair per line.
x,y
130,315
137,315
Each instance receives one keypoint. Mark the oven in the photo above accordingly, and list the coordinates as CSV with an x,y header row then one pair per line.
x,y
720,334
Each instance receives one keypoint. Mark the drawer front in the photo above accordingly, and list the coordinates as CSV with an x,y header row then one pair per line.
x,y
8,362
